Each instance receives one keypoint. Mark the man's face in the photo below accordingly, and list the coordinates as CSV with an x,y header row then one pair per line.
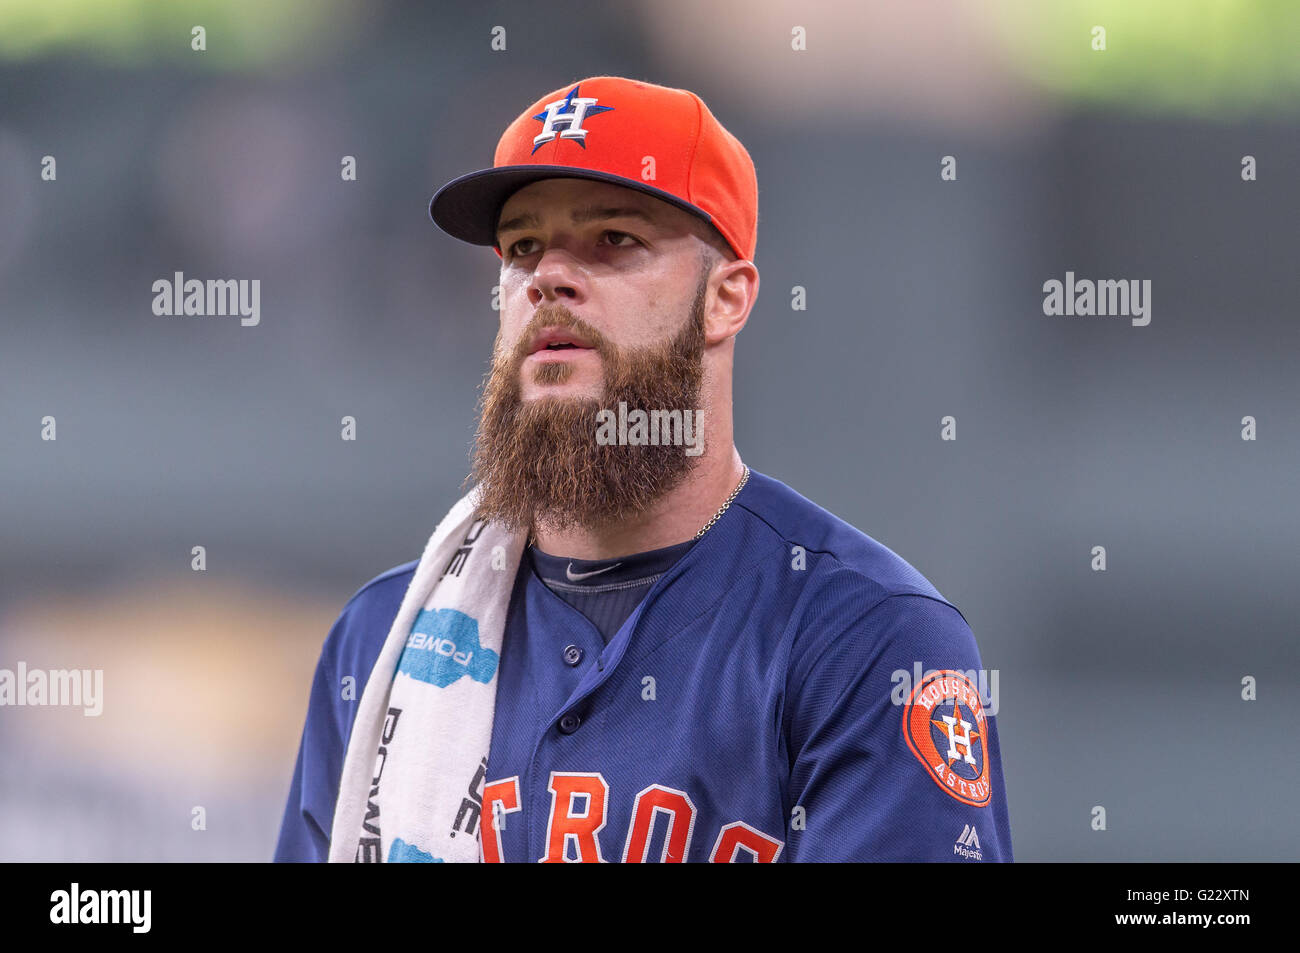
x,y
616,279
619,273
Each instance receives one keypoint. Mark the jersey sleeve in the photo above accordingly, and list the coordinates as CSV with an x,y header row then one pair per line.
x,y
346,661
309,812
894,754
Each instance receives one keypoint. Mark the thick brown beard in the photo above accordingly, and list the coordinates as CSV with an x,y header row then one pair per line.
x,y
540,462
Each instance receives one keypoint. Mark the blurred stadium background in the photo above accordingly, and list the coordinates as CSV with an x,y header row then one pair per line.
x,y
1119,689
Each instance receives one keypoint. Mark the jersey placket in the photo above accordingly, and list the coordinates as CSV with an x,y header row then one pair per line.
x,y
569,719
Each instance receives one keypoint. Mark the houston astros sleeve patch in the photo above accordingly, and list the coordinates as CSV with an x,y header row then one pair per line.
x,y
945,727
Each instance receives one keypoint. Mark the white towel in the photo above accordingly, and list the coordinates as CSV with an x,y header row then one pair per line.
x,y
413,775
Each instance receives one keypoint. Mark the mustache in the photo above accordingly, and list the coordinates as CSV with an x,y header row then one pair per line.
x,y
558,316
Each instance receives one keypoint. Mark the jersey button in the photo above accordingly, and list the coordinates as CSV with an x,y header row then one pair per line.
x,y
569,723
572,655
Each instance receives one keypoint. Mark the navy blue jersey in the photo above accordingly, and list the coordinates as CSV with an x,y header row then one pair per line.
x,y
789,690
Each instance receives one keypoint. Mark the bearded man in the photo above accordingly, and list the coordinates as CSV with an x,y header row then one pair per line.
x,y
623,643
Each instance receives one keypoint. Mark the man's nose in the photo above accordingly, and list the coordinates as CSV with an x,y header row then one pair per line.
x,y
557,276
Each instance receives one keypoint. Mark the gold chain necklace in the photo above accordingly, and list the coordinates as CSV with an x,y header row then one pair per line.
x,y
532,540
722,509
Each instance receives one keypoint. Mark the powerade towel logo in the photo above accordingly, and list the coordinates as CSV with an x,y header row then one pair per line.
x,y
443,646
944,725
403,853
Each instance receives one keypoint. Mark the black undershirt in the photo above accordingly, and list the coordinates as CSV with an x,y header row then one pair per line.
x,y
607,590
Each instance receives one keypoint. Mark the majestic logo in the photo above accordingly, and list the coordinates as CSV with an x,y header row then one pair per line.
x,y
945,727
572,576
442,646
568,113
968,844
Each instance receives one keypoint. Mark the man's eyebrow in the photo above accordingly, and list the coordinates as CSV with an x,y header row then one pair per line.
x,y
579,216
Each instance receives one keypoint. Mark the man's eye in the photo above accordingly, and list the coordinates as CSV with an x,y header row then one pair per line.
x,y
619,240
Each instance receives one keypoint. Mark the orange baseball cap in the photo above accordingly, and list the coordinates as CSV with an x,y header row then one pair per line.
x,y
661,141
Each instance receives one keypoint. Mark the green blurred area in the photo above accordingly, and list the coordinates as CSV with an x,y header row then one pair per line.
x,y
1210,58
241,34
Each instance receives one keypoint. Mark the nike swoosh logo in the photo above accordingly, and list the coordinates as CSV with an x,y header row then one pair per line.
x,y
576,576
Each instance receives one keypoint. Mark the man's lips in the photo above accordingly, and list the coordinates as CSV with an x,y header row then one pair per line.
x,y
560,354
557,344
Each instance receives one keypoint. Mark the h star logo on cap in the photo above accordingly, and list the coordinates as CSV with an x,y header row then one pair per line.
x,y
568,112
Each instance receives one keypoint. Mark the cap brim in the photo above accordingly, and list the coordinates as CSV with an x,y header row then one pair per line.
x,y
469,207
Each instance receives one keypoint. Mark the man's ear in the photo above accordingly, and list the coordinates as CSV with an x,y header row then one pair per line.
x,y
733,288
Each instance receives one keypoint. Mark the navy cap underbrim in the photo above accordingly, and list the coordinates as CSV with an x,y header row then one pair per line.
x,y
469,207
